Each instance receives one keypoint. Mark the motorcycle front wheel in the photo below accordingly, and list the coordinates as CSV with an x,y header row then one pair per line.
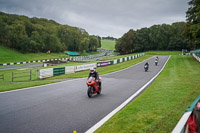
x,y
89,91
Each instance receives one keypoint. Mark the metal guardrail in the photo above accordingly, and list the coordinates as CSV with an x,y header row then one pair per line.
x,y
180,126
196,57
82,58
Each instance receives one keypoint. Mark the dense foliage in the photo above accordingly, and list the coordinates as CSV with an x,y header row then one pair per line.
x,y
193,24
157,37
41,35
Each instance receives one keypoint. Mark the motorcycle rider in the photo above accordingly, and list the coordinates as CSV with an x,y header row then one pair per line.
x,y
146,65
94,74
157,58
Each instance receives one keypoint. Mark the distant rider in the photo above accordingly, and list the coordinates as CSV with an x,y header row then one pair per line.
x,y
157,59
146,64
94,74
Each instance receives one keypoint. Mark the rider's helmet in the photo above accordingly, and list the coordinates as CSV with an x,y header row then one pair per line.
x,y
92,69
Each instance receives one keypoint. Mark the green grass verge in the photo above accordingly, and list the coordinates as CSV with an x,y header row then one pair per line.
x,y
160,106
108,44
8,55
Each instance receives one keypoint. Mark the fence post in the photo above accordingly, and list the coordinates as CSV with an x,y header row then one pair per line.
x,y
12,76
30,74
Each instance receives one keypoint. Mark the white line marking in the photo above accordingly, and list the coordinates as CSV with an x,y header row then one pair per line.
x,y
102,121
67,80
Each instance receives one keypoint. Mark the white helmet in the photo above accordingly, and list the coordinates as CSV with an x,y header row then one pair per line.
x,y
92,69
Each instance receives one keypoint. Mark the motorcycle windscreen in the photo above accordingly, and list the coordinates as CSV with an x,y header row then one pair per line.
x,y
91,78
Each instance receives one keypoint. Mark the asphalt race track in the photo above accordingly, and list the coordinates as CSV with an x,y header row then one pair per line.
x,y
64,107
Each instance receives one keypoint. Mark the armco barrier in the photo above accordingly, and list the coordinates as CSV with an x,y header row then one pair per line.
x,y
112,62
26,62
84,67
45,73
50,72
58,71
196,57
180,127
69,69
102,64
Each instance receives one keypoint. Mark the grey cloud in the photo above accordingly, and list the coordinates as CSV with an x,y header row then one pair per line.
x,y
102,17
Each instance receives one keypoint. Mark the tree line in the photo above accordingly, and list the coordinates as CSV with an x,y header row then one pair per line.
x,y
177,36
108,38
41,35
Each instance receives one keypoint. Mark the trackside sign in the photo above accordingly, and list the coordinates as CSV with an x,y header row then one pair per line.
x,y
84,67
102,64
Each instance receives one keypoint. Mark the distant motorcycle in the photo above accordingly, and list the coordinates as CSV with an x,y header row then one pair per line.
x,y
93,86
156,62
146,68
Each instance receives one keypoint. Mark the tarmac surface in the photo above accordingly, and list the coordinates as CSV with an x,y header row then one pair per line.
x,y
21,66
64,107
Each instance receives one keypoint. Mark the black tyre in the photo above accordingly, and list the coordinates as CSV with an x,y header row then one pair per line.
x,y
89,91
99,92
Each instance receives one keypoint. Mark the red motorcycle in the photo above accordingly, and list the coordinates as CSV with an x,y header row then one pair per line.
x,y
93,86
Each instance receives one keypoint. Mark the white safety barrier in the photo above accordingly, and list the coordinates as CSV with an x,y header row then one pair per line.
x,y
196,57
82,58
45,73
84,67
115,62
69,69
121,59
181,124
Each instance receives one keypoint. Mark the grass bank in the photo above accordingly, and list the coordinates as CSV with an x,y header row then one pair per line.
x,y
108,44
8,55
160,106
163,52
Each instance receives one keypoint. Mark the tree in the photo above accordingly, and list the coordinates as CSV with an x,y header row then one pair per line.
x,y
40,34
36,42
84,45
126,43
193,27
93,43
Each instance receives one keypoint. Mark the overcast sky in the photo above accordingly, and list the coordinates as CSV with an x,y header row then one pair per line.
x,y
101,17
